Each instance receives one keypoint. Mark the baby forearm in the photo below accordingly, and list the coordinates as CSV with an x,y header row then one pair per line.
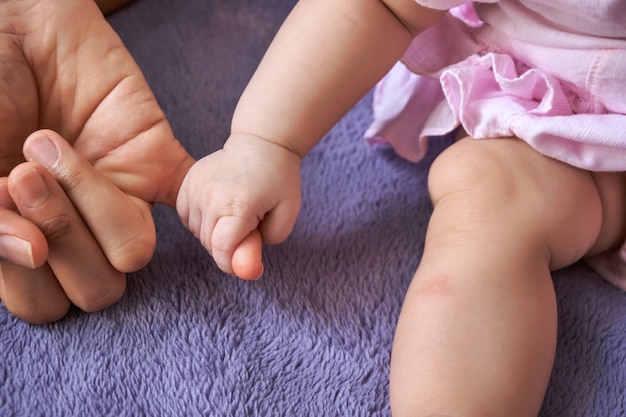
x,y
327,56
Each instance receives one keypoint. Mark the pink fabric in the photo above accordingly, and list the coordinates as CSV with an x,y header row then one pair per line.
x,y
402,103
515,75
550,72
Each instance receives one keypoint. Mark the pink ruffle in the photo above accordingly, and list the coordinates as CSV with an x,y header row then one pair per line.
x,y
494,96
403,102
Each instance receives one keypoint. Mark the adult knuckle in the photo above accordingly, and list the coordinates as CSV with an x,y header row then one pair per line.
x,y
58,227
133,253
99,297
71,178
38,312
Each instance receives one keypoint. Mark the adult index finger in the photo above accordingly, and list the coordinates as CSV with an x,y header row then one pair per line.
x,y
121,224
74,257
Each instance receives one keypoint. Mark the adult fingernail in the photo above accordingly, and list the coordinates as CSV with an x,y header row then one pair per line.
x,y
43,150
31,188
16,250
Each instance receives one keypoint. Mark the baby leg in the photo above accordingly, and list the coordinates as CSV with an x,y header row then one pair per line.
x,y
477,332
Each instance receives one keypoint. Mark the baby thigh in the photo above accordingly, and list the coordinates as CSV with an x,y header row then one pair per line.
x,y
477,332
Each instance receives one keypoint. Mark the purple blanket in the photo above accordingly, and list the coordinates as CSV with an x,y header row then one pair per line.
x,y
313,337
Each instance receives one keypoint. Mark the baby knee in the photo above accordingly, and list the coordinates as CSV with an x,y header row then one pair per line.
x,y
473,168
505,180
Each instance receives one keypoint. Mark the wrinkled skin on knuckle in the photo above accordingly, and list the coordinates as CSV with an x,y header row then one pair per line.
x,y
134,254
96,298
39,311
71,179
59,227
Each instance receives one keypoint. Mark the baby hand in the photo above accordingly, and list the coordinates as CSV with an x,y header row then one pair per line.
x,y
240,196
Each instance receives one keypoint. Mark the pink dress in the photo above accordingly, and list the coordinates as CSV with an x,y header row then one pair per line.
x,y
550,72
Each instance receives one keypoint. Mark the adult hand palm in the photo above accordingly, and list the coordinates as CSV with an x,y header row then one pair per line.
x,y
63,68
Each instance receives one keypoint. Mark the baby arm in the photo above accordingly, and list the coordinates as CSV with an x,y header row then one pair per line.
x,y
327,55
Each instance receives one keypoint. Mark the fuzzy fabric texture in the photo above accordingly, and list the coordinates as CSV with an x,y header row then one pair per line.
x,y
313,337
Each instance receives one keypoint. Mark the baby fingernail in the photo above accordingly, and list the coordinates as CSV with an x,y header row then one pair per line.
x,y
16,250
43,150
31,188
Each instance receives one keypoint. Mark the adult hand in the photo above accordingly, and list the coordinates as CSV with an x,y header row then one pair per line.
x,y
76,216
